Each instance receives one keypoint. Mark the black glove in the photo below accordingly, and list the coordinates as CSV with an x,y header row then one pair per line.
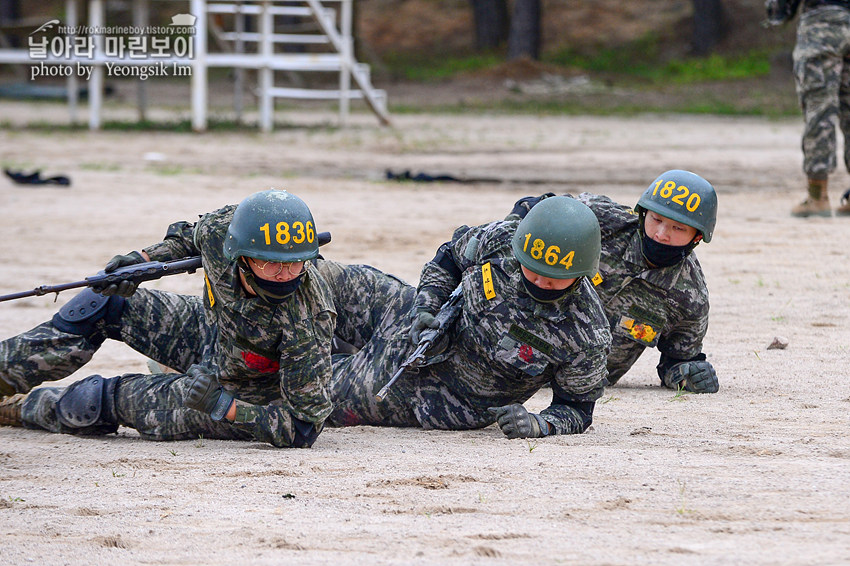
x,y
124,288
516,422
523,205
693,376
206,394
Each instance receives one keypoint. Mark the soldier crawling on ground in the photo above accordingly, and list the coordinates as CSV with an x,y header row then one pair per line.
x,y
529,318
253,353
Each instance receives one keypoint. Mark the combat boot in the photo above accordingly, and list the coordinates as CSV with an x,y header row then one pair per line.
x,y
817,203
844,207
10,410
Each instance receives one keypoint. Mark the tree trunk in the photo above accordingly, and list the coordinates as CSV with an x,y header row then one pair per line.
x,y
524,39
709,26
491,23
10,12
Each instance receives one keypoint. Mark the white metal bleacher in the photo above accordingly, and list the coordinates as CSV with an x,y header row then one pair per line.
x,y
332,32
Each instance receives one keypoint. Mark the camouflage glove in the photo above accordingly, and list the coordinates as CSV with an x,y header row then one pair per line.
x,y
516,422
206,394
422,321
693,376
124,288
523,205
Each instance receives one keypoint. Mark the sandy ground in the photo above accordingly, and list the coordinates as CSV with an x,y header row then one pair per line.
x,y
756,474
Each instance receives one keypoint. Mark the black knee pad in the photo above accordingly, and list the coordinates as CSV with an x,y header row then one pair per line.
x,y
89,404
81,314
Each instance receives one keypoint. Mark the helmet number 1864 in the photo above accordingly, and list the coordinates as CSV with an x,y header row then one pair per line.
x,y
552,254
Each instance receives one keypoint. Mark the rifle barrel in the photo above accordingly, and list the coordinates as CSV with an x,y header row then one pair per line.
x,y
138,272
386,388
43,290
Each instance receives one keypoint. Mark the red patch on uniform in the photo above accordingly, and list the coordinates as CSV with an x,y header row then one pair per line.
x,y
260,363
350,418
526,353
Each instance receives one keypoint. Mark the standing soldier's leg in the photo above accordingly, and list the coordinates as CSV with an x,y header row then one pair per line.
x,y
844,122
817,71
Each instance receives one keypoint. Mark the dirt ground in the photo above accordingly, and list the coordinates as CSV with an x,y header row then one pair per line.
x,y
756,474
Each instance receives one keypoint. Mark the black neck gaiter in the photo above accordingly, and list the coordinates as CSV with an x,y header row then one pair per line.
x,y
662,255
543,295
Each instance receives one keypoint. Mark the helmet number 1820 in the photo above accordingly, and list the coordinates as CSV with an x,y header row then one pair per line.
x,y
684,197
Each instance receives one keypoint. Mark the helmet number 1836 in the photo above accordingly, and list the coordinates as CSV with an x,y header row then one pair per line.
x,y
301,232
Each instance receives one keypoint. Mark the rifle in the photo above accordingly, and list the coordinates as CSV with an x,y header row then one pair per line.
x,y
447,315
136,273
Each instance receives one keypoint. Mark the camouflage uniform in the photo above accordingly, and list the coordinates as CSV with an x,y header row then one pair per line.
x,y
501,350
275,359
822,73
663,307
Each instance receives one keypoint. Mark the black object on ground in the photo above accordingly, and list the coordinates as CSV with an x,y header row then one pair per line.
x,y
35,178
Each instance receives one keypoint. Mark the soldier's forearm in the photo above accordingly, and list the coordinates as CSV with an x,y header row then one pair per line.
x,y
230,415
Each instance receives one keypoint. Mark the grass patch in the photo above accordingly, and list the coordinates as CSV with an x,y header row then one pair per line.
x,y
641,59
716,68
109,167
598,106
184,126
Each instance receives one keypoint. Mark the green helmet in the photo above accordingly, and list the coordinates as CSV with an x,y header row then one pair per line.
x,y
272,225
559,238
684,197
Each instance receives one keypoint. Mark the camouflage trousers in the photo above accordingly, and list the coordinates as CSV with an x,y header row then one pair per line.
x,y
623,355
166,327
373,309
420,398
373,314
822,73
